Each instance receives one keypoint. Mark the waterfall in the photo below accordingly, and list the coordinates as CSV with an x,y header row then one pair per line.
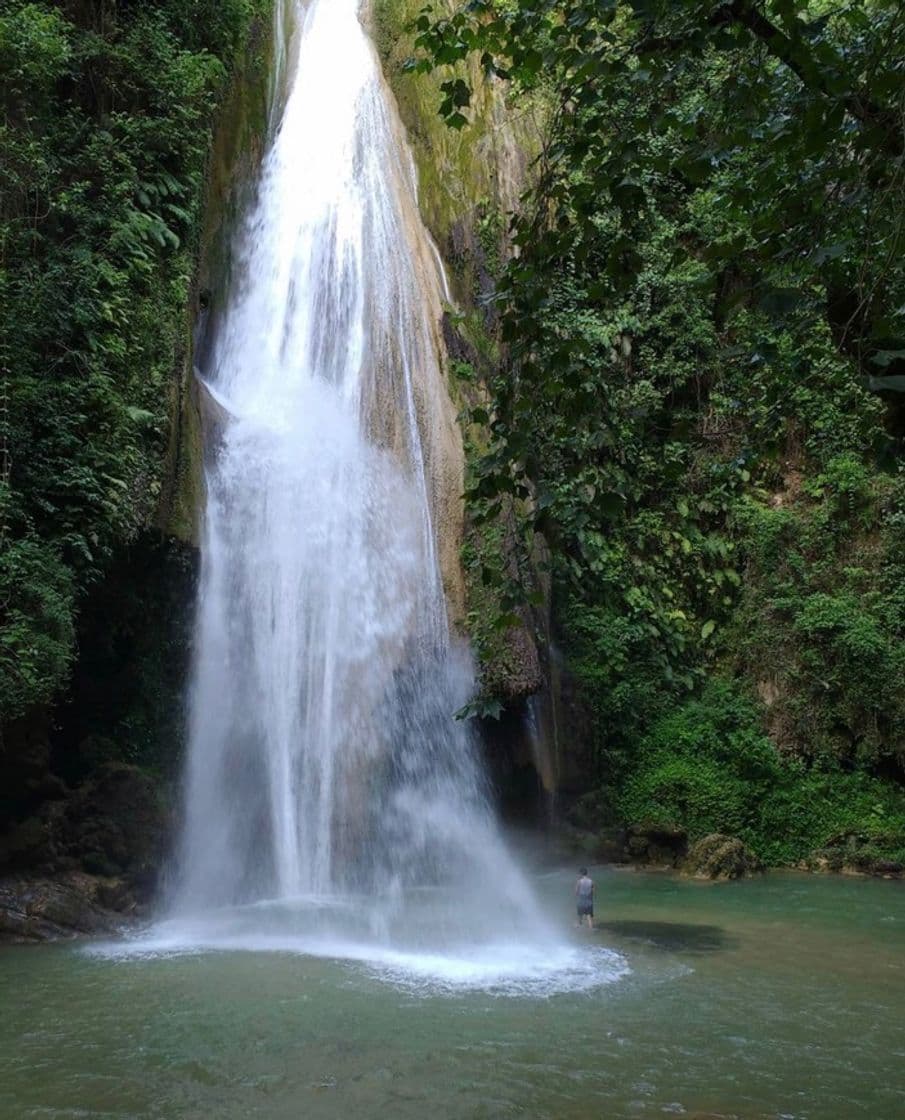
x,y
324,759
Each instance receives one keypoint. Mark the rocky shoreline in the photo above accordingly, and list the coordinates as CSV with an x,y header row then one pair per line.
x,y
70,905
652,846
84,860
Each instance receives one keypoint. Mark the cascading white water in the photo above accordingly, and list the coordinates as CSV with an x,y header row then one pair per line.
x,y
323,753
326,772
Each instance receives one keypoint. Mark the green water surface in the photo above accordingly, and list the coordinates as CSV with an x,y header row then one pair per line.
x,y
782,997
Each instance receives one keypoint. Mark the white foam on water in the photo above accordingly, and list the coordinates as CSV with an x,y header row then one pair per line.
x,y
498,968
503,969
417,952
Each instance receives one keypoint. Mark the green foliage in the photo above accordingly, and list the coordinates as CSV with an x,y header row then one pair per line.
x,y
790,118
499,615
106,125
821,626
34,49
698,155
37,636
483,562
707,296
708,765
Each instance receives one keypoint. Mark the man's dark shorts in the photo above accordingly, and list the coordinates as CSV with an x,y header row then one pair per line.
x,y
585,909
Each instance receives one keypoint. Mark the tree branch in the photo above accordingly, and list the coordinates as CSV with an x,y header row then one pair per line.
x,y
794,54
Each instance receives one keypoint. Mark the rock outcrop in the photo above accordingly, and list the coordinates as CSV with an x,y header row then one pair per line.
x,y
49,909
646,843
112,825
720,857
115,824
855,852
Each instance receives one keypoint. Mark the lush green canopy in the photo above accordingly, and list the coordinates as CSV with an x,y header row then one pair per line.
x,y
702,343
104,130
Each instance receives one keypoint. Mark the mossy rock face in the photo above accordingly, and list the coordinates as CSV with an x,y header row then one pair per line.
x,y
720,857
607,846
115,824
25,775
592,811
24,843
464,173
469,180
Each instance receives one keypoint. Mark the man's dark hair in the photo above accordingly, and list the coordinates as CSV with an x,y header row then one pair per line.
x,y
582,871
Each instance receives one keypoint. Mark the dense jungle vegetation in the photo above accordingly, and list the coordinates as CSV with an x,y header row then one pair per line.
x,y
698,400
692,371
107,110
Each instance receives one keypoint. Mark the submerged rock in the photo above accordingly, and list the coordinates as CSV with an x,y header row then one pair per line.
x,y
720,857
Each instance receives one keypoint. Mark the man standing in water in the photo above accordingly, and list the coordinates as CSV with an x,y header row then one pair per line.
x,y
584,898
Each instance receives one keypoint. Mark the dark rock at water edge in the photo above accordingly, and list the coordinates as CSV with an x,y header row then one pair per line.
x,y
81,861
116,823
657,845
860,853
73,903
888,868
718,856
605,846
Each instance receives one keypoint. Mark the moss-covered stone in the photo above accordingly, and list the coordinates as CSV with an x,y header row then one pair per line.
x,y
720,857
659,845
861,852
116,823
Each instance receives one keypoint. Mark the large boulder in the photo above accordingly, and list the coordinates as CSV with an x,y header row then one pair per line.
x,y
111,829
27,843
720,857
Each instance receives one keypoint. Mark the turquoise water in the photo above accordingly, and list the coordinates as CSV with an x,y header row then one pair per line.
x,y
781,997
